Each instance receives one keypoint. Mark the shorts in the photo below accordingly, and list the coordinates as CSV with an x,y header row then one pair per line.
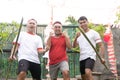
x,y
87,63
34,68
54,69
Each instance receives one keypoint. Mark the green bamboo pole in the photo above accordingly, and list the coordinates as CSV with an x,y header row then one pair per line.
x,y
9,66
92,47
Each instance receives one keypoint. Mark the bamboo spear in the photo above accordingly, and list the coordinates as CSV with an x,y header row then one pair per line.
x,y
17,37
14,49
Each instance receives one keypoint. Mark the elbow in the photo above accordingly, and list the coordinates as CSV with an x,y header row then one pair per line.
x,y
69,46
74,46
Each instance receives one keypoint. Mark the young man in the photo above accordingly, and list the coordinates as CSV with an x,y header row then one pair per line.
x,y
57,53
87,54
28,46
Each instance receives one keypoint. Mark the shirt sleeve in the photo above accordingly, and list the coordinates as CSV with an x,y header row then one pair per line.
x,y
77,41
19,39
40,43
97,37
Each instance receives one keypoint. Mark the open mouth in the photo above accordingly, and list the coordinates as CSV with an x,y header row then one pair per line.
x,y
31,27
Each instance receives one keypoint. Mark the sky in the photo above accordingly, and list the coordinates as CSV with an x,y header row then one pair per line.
x,y
97,11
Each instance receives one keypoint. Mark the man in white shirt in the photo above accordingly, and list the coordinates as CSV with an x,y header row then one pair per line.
x,y
87,53
28,46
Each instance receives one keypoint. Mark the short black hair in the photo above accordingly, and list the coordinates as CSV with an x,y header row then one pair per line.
x,y
57,22
82,18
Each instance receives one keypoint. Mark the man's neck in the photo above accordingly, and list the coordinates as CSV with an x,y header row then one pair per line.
x,y
57,35
87,30
32,33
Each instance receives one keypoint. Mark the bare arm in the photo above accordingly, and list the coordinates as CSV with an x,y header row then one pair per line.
x,y
67,40
13,52
75,44
68,44
101,51
42,51
48,45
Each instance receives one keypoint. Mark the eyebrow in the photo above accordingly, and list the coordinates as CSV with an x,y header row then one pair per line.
x,y
82,22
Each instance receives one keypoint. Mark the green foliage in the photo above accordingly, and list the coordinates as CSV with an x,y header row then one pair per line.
x,y
7,33
99,28
117,15
76,49
71,20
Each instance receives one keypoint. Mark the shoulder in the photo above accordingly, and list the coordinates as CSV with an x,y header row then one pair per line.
x,y
37,36
93,31
22,33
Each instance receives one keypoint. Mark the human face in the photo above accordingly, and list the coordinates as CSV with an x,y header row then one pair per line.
x,y
57,29
84,24
31,26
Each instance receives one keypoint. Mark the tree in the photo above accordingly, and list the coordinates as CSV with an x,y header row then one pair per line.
x,y
71,20
117,15
7,33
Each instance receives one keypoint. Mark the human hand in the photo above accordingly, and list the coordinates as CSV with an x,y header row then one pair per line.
x,y
47,48
51,34
77,34
11,58
64,33
102,60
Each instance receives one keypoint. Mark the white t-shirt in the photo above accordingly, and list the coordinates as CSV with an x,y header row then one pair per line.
x,y
86,50
28,45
